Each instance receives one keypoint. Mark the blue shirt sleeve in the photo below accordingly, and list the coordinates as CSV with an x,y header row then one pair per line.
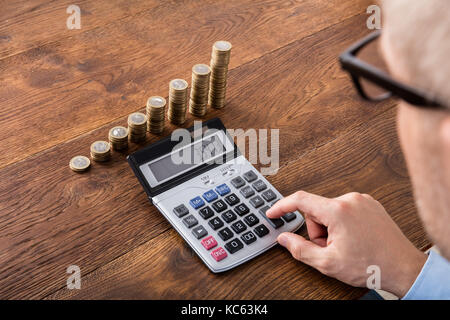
x,y
433,282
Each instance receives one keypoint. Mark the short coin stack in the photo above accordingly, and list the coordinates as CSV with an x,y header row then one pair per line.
x,y
118,137
137,126
177,101
100,151
79,163
220,58
199,90
156,109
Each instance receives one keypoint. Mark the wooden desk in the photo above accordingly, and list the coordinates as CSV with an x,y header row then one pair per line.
x,y
62,89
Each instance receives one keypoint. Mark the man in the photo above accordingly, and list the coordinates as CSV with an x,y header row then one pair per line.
x,y
352,232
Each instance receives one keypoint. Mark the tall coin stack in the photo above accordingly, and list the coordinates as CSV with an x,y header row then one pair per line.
x,y
220,58
177,101
199,90
156,109
137,126
100,151
118,138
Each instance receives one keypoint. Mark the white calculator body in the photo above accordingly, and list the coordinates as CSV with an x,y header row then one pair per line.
x,y
212,195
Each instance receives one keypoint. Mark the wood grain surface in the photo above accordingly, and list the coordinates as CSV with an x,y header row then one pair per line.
x,y
61,89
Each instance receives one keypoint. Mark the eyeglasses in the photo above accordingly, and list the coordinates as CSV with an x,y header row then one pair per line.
x,y
373,83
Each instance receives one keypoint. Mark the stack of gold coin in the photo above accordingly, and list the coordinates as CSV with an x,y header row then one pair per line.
x,y
137,126
177,101
199,90
220,59
156,109
100,151
79,163
118,138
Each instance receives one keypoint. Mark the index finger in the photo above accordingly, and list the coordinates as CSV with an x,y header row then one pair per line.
x,y
310,204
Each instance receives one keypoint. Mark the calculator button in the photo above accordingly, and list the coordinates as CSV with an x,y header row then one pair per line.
x,y
269,195
273,202
197,202
199,232
232,199
248,237
209,242
223,189
237,182
190,221
219,206
210,196
251,220
219,254
215,223
234,245
259,185
250,176
238,227
247,191
229,216
256,201
261,230
225,234
288,217
206,212
181,210
276,223
241,209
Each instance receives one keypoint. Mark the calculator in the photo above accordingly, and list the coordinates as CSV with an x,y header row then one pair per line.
x,y
218,202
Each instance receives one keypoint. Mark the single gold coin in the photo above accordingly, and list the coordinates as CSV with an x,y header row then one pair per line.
x,y
79,163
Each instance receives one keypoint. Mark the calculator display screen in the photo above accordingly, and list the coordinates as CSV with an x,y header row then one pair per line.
x,y
186,158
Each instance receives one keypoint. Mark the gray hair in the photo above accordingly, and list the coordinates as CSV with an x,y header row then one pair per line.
x,y
418,31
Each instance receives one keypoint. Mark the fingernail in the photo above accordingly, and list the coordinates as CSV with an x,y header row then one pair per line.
x,y
282,239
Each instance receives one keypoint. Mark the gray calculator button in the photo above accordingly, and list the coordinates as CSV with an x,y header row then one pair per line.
x,y
288,217
250,176
237,182
273,202
181,210
247,191
256,201
259,185
276,223
268,195
190,221
199,232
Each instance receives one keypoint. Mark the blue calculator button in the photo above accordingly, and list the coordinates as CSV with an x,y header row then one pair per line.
x,y
210,196
197,202
223,189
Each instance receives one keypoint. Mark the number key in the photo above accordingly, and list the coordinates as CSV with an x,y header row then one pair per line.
x,y
232,199
251,220
215,223
225,234
248,237
206,212
234,245
238,227
219,206
229,216
261,230
241,209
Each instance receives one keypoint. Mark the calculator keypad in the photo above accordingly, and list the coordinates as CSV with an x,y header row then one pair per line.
x,y
229,208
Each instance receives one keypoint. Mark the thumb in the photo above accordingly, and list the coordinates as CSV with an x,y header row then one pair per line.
x,y
301,249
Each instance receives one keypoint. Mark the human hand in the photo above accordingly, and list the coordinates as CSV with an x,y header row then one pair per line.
x,y
347,235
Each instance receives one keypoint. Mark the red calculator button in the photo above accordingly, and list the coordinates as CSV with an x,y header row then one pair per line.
x,y
219,254
209,242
